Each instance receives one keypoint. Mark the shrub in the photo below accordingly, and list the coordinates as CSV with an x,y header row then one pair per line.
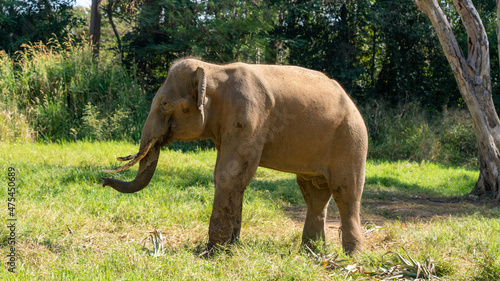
x,y
59,86
56,91
399,133
458,138
408,132
98,127
14,127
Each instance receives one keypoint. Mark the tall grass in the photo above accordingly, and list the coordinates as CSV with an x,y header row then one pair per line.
x,y
408,132
14,126
63,93
57,91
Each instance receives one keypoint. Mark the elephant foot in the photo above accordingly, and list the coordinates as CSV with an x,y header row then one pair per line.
x,y
352,249
312,245
213,249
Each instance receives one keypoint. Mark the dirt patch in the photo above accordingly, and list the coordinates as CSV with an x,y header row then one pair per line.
x,y
377,210
332,224
425,208
298,216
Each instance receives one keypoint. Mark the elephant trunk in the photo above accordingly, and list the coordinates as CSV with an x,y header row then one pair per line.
x,y
147,167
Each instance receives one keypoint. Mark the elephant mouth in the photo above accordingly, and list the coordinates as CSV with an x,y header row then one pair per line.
x,y
134,159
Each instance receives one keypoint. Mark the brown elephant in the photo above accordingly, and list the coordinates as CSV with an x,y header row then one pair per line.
x,y
285,118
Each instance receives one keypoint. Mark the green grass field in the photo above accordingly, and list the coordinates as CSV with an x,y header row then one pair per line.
x,y
70,228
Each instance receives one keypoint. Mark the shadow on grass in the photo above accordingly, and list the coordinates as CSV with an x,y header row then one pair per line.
x,y
388,205
390,198
389,182
383,197
285,190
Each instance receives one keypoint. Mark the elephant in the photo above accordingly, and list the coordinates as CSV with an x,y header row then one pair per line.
x,y
285,118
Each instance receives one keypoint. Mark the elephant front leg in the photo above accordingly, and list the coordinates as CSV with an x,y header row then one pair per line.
x,y
225,222
232,175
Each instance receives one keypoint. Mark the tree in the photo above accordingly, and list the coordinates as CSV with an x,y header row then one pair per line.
x,y
113,26
409,65
218,31
22,22
162,31
377,50
234,30
474,81
498,27
95,26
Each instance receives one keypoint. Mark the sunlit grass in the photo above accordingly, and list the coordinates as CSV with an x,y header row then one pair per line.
x,y
425,178
70,227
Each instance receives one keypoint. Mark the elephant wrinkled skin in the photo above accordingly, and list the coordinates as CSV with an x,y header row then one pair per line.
x,y
285,118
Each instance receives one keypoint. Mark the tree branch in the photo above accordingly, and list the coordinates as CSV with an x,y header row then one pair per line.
x,y
478,53
445,34
110,17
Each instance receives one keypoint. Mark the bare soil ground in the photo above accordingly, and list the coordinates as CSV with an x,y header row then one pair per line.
x,y
386,209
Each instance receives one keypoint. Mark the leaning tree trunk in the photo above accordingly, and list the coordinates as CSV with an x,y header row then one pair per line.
x,y
474,81
498,27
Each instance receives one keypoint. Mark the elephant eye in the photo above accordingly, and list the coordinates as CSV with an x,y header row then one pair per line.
x,y
164,104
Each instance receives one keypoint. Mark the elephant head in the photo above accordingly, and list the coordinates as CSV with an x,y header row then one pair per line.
x,y
177,113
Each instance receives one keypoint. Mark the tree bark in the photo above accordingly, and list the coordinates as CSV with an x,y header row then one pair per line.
x,y
498,27
95,27
474,81
115,31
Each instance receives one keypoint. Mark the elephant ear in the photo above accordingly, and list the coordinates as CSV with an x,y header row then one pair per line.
x,y
202,91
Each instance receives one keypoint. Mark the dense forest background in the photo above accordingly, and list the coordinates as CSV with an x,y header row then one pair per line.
x,y
385,53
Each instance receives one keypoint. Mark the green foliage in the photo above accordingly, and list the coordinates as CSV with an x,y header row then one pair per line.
x,y
59,92
458,138
234,30
27,21
218,31
64,94
14,127
98,127
382,50
408,132
323,35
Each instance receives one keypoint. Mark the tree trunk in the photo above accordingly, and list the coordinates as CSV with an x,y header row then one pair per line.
x,y
474,81
115,31
498,27
95,27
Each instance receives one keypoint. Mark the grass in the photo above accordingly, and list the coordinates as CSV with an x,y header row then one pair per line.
x,y
69,227
57,91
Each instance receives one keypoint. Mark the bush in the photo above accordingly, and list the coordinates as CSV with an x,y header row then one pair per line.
x,y
408,132
56,91
398,133
99,127
458,138
14,127
62,91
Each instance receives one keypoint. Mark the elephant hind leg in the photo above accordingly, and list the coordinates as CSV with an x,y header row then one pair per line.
x,y
347,189
317,195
